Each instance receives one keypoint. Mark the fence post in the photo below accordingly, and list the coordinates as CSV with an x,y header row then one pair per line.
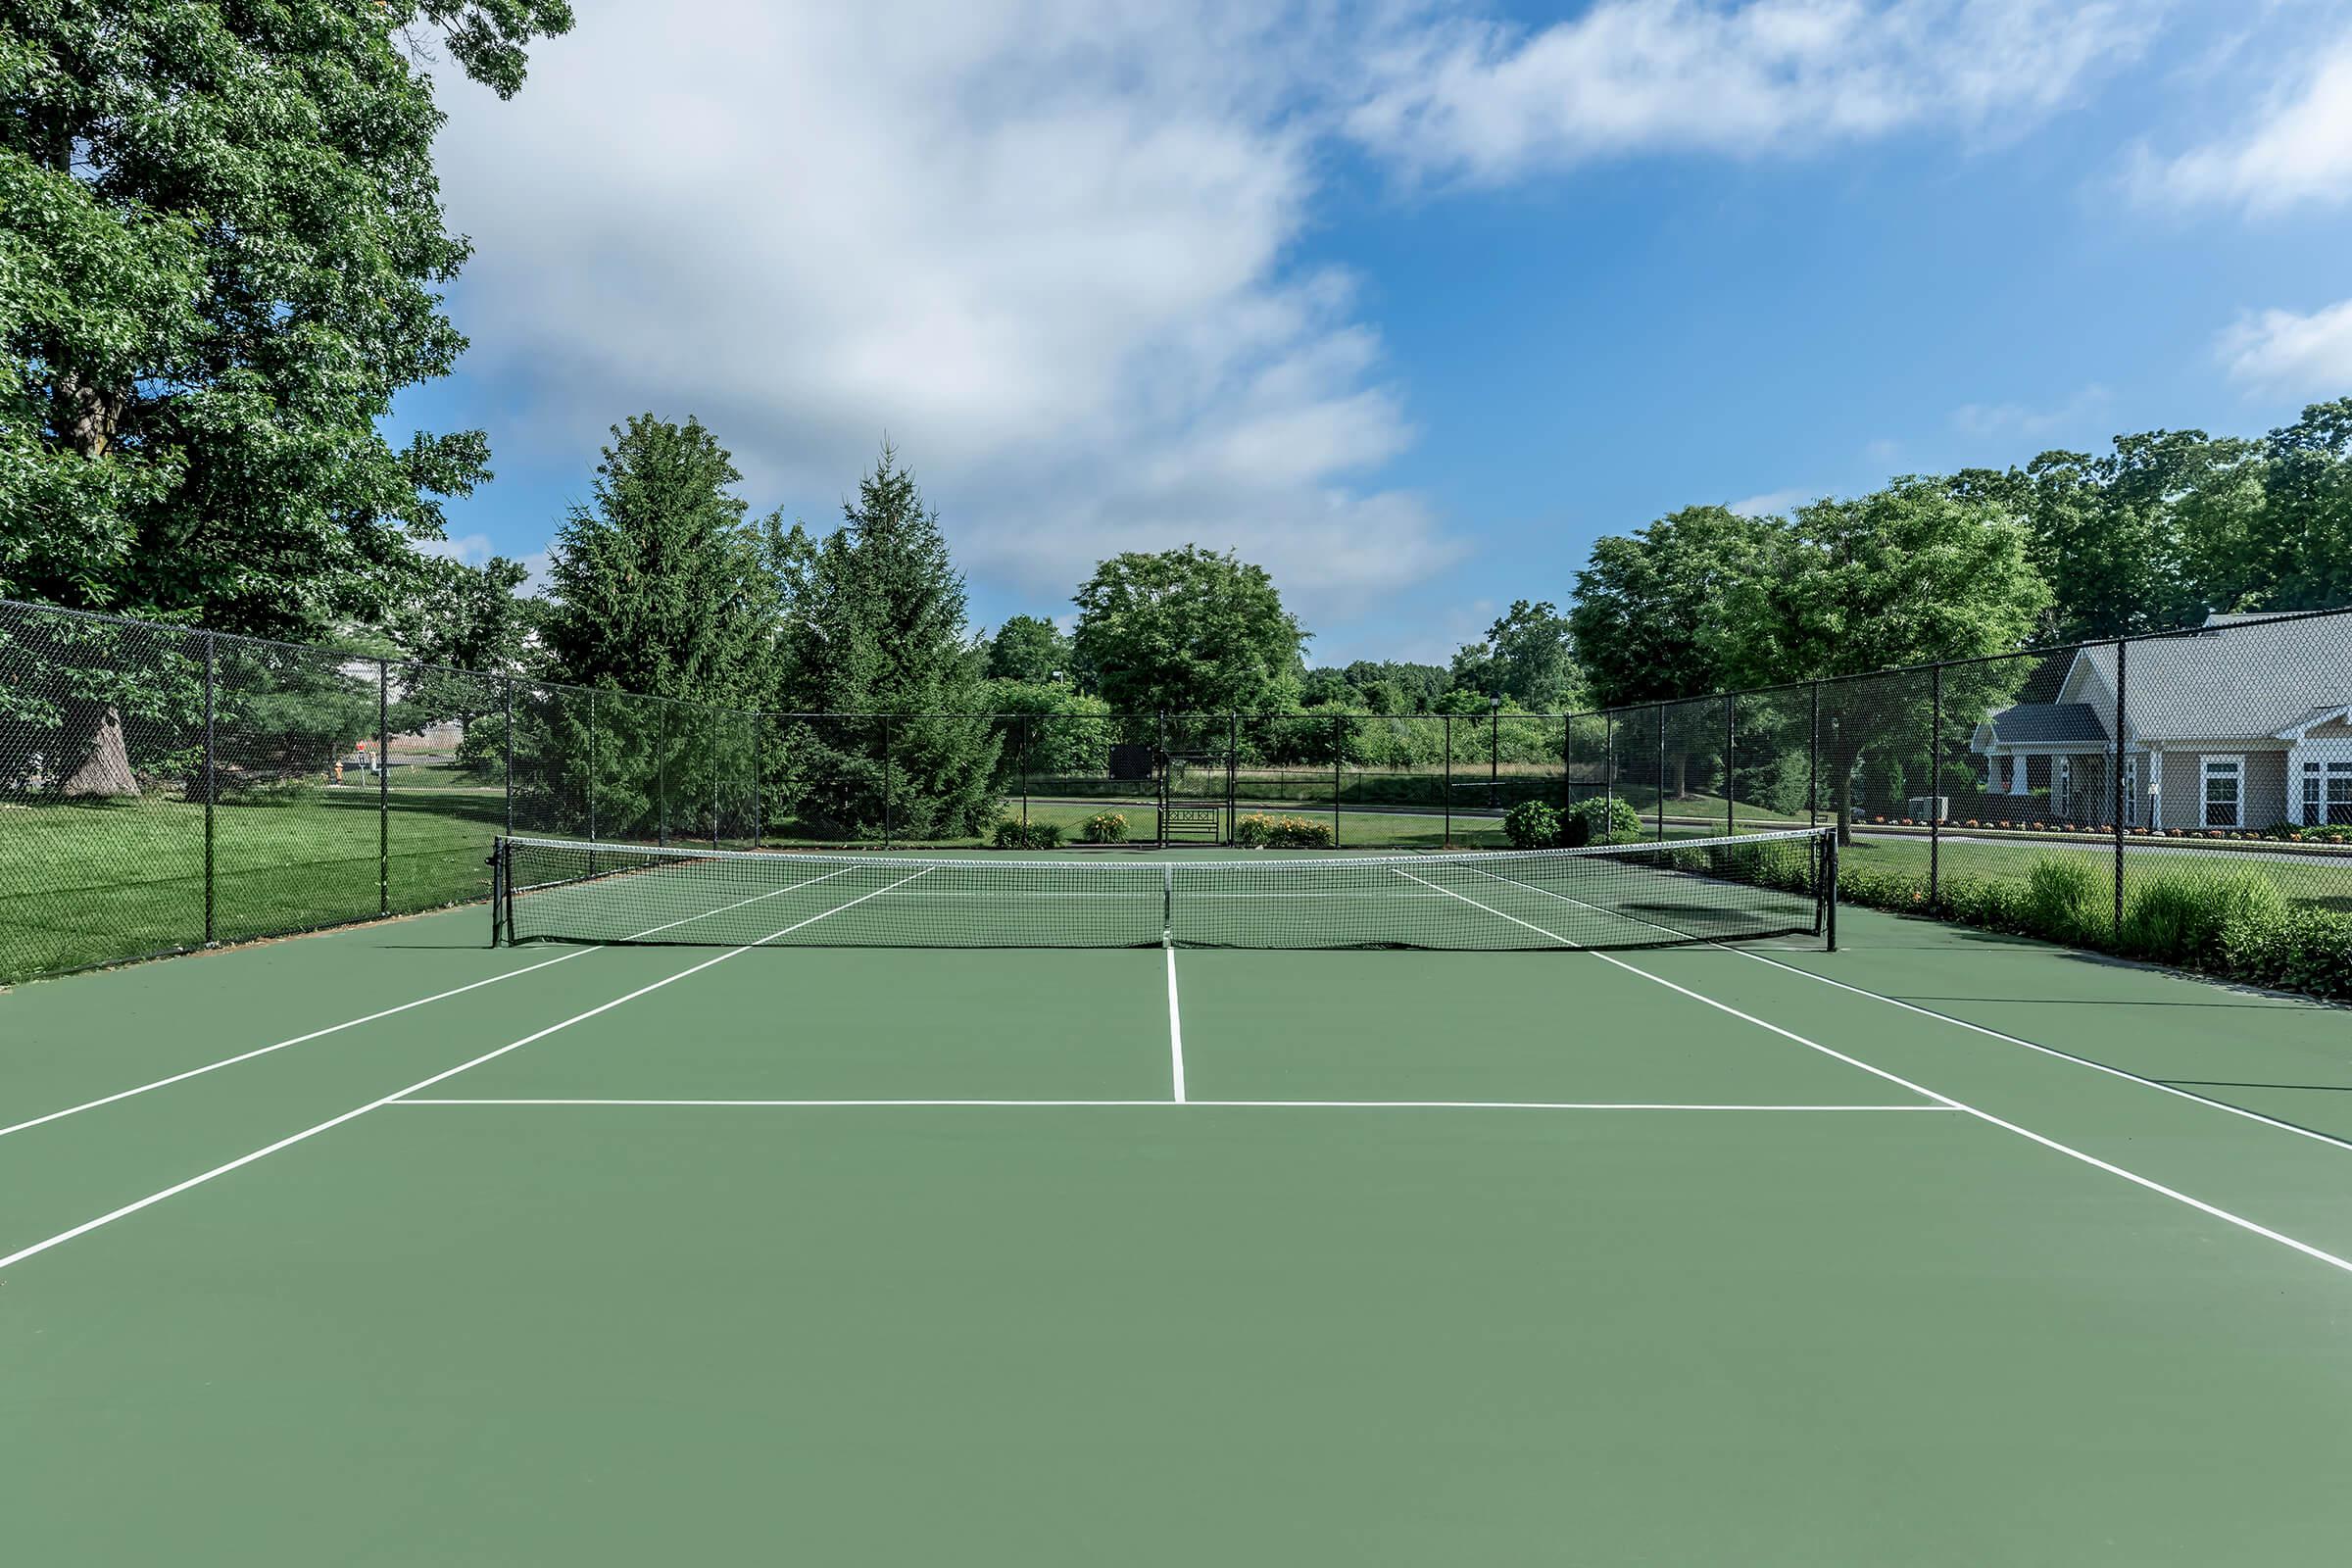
x,y
383,787
1567,764
1339,745
591,790
661,771
1731,795
1608,770
886,780
1448,781
1024,734
1813,763
211,779
1661,772
1494,751
758,752
2123,653
1934,791
507,763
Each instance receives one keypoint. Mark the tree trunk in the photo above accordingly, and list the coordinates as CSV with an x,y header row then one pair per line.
x,y
1682,775
92,755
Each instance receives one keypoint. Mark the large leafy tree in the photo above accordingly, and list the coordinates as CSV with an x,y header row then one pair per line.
x,y
873,626
1028,647
2299,555
220,247
1906,575
1641,625
1189,631
1528,656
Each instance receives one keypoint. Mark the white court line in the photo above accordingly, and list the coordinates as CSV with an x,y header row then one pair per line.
x,y
1192,1105
1175,1028
1986,1116
354,1023
176,1187
2157,1084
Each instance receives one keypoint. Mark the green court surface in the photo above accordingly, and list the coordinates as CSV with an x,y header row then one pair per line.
x,y
384,1246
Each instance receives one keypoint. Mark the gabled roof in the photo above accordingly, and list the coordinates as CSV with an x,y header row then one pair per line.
x,y
2046,723
2235,677
2297,728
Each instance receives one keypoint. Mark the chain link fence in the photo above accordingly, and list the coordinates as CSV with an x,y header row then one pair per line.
x,y
164,788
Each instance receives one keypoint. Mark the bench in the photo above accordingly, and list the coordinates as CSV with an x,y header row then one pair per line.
x,y
1199,823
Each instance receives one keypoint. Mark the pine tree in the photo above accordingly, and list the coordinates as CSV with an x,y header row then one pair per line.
x,y
874,626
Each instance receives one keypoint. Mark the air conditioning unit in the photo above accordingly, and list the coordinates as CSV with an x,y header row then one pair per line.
x,y
1920,808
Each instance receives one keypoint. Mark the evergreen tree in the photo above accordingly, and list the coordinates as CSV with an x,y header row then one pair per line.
x,y
874,626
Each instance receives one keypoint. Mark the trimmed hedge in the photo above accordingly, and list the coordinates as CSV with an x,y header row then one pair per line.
x,y
1532,825
1257,831
1013,834
1601,822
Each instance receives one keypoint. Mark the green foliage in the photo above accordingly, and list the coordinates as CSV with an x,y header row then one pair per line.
x,y
2069,900
1011,833
2179,917
2307,949
1104,827
223,255
1602,821
1186,631
1638,626
1257,830
1527,657
1028,647
1532,825
874,624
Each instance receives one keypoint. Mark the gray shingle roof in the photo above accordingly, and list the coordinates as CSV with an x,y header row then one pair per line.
x,y
2233,679
2040,724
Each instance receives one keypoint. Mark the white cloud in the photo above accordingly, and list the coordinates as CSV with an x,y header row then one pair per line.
x,y
2298,151
1045,245
473,549
2280,351
2020,420
1478,100
1772,502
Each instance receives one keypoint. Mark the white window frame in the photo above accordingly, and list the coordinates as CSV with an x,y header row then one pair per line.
x,y
2312,790
2232,769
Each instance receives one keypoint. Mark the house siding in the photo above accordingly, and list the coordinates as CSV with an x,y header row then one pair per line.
x,y
2266,790
2262,797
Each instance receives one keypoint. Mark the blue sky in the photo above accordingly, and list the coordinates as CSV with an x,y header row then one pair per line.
x,y
1408,301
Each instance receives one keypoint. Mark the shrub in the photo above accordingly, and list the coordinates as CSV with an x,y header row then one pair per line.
x,y
2179,917
1601,822
1258,832
2068,900
2305,950
1104,827
1532,825
1011,833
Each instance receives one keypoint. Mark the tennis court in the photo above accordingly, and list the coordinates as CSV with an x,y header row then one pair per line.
x,y
1157,1240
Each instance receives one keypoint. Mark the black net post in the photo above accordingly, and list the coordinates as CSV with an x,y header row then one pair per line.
x,y
1935,789
2123,651
1829,878
1339,749
1449,781
383,787
211,775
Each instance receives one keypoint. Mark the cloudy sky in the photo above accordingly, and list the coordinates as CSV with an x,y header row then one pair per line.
x,y
1408,301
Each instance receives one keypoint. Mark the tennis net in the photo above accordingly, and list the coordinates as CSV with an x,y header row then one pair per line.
x,y
1620,896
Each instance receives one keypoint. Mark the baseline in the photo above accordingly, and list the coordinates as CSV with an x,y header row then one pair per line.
x,y
1127,1104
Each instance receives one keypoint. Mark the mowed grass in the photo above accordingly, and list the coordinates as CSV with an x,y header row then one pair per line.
x,y
93,882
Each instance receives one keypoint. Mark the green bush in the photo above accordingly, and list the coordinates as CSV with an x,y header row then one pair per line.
x,y
1013,833
2306,950
2069,900
1104,827
1258,832
1601,822
1532,825
2179,917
